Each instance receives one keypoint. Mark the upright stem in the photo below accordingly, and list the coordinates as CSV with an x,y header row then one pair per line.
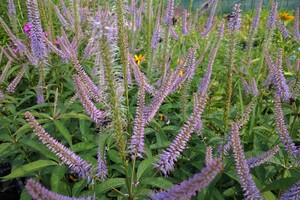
x,y
124,55
164,58
229,80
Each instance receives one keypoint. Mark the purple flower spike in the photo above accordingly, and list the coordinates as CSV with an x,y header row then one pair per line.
x,y
235,20
282,130
188,188
254,162
169,13
170,156
293,193
39,192
136,147
78,165
243,170
272,17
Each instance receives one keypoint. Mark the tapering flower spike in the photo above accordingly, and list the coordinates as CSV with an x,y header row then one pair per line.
x,y
95,114
136,148
39,192
272,17
283,30
282,129
235,20
101,168
77,164
208,156
12,86
169,13
15,40
169,156
190,187
243,170
256,19
292,194
254,162
37,43
209,23
296,25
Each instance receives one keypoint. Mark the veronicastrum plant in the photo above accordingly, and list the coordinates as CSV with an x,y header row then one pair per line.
x,y
149,100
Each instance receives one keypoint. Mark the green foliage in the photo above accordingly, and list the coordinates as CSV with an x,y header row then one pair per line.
x,y
65,119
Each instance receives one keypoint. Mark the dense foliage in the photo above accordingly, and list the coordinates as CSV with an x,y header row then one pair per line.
x,y
148,100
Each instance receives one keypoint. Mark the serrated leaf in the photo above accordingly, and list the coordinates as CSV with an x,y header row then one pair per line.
x,y
39,147
143,166
28,168
5,147
56,184
84,128
78,187
281,184
159,182
109,185
64,131
73,115
114,156
82,146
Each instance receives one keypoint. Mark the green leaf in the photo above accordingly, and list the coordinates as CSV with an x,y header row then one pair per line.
x,y
56,184
82,146
114,156
84,128
64,131
78,187
109,185
73,115
269,195
281,184
5,148
143,166
39,147
25,195
159,182
28,168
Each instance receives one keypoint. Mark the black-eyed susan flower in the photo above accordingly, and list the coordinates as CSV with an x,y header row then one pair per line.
x,y
285,16
139,58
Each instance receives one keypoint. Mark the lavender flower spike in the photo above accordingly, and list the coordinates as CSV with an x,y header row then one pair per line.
x,y
102,169
282,130
95,114
38,45
12,86
254,162
235,21
78,165
243,170
169,156
272,17
136,147
39,192
293,193
169,12
188,188
256,19
208,156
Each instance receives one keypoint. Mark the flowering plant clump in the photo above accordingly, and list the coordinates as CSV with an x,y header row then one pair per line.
x,y
148,100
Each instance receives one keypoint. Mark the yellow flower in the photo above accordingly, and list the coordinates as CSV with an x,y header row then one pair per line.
x,y
285,16
181,73
139,58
